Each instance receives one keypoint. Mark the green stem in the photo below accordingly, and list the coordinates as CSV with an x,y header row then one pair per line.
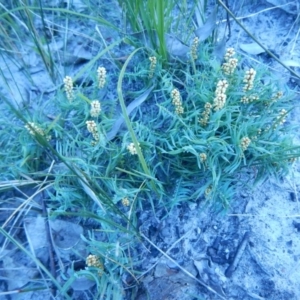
x,y
127,120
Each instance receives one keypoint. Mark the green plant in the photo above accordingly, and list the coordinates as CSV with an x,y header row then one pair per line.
x,y
151,20
158,25
223,123
213,124
102,152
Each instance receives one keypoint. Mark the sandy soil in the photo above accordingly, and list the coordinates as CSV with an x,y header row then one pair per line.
x,y
250,252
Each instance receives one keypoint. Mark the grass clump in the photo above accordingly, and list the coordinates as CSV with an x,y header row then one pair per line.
x,y
227,122
217,125
212,127
151,134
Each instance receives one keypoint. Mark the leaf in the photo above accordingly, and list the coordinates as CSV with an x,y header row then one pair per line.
x,y
82,284
291,63
206,30
176,48
16,273
219,50
65,234
252,48
200,12
83,182
79,281
35,231
138,101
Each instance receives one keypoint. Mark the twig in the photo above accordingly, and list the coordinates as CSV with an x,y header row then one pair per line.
x,y
238,255
50,245
167,251
182,269
255,14
255,39
48,234
228,22
261,216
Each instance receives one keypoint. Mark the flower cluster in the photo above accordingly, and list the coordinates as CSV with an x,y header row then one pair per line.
x,y
249,99
230,63
245,142
274,99
220,99
194,48
95,262
95,108
131,148
125,201
203,157
153,62
92,128
176,100
207,192
277,96
255,137
34,129
230,52
205,115
281,118
249,79
101,77
68,83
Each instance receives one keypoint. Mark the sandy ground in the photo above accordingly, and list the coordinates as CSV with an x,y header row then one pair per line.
x,y
253,250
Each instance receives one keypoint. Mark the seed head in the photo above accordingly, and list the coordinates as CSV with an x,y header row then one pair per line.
x,y
125,201
205,114
281,118
220,99
34,129
94,261
131,148
203,157
230,66
249,99
244,143
230,52
95,108
194,48
152,65
92,128
176,100
249,79
101,76
68,82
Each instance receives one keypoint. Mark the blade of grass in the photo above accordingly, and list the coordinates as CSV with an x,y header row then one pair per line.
x,y
64,11
36,261
84,178
127,120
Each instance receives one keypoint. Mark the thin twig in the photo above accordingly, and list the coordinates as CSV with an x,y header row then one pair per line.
x,y
50,245
228,22
182,269
255,39
255,14
241,248
168,250
48,234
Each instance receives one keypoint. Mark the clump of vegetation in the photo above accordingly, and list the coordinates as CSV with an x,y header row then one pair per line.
x,y
196,129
